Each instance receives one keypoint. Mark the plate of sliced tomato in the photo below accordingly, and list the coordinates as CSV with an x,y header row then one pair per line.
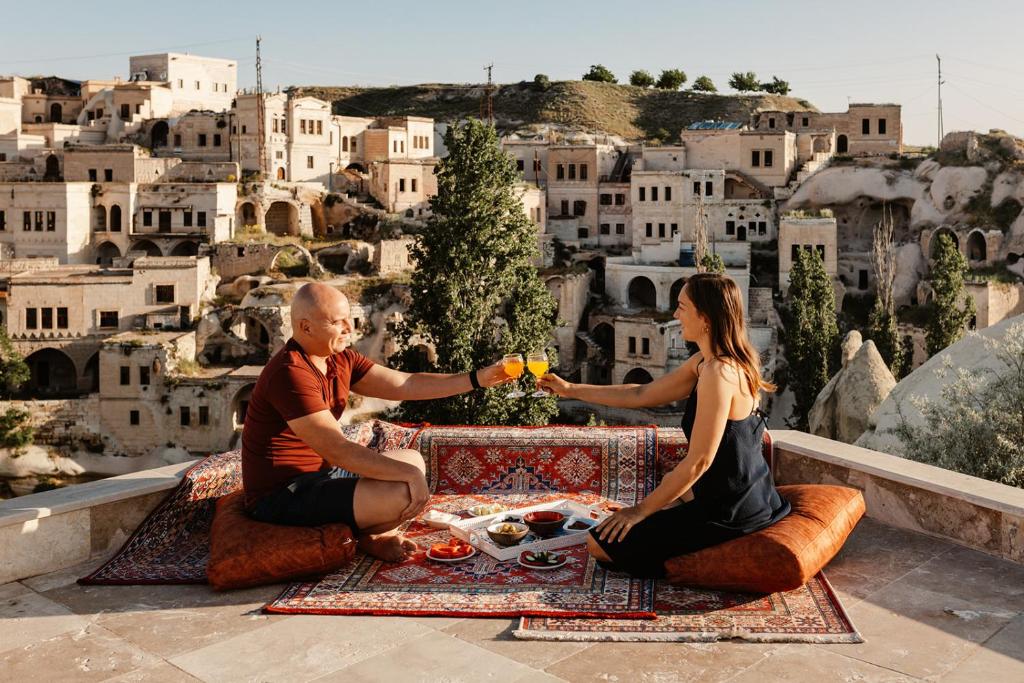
x,y
454,550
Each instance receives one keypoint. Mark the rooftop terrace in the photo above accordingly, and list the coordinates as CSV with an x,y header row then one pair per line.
x,y
928,602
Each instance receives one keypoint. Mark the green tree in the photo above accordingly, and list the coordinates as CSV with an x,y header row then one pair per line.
x,y
952,307
600,73
712,263
882,327
671,79
776,86
744,82
812,335
476,294
978,426
704,84
541,82
641,79
15,431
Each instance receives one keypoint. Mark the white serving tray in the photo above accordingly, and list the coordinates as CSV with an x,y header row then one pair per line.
x,y
474,529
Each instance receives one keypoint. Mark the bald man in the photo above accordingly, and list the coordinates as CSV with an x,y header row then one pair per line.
x,y
293,450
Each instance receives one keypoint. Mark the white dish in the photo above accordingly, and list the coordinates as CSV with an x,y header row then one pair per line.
x,y
541,568
451,559
439,520
483,510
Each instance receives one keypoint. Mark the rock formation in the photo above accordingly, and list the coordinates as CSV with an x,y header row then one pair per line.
x,y
928,381
843,407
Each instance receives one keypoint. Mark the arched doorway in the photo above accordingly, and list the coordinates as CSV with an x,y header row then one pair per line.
x,y
842,145
150,248
52,374
356,167
637,376
248,214
158,136
933,247
52,168
336,263
56,113
604,335
280,173
91,376
673,293
596,264
115,218
185,249
290,261
106,252
741,233
642,293
256,333
976,247
282,219
240,405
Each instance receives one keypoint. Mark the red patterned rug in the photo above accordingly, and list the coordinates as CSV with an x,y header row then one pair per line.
x,y
810,614
172,544
515,466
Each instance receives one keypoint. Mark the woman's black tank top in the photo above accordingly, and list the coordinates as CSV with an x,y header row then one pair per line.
x,y
737,491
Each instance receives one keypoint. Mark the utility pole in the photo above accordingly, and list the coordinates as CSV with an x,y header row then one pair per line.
x,y
939,60
487,101
260,113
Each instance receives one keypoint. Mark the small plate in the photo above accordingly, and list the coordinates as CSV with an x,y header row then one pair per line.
x,y
519,560
451,559
484,509
439,520
591,523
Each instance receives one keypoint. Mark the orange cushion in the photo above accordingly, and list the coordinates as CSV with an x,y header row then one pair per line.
x,y
785,555
244,552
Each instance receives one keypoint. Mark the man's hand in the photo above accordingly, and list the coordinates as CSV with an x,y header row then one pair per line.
x,y
493,375
419,494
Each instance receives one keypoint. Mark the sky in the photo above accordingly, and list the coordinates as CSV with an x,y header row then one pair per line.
x,y
868,51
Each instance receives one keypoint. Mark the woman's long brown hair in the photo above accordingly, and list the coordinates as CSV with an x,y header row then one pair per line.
x,y
718,299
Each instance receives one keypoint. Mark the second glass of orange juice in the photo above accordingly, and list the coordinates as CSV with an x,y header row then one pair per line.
x,y
537,362
512,364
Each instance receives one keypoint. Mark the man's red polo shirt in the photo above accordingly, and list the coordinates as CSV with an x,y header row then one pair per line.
x,y
290,387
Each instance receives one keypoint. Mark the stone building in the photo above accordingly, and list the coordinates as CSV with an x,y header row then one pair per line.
x,y
195,82
57,318
809,233
862,130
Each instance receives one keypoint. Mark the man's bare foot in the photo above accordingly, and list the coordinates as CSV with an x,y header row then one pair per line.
x,y
387,547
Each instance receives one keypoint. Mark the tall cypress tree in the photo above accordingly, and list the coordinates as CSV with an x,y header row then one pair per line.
x,y
476,294
948,316
812,334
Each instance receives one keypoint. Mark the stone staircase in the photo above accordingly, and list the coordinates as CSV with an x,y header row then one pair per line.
x,y
596,351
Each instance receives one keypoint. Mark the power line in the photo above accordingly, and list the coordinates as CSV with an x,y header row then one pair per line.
x,y
147,50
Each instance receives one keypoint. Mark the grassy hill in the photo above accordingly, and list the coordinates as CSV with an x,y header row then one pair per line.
x,y
624,110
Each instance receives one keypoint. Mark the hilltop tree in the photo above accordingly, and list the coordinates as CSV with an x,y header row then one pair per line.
x,y
776,86
948,316
475,293
745,82
712,263
704,84
882,322
599,72
641,79
671,79
541,82
812,335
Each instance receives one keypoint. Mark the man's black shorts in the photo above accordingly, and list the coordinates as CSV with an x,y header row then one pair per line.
x,y
311,499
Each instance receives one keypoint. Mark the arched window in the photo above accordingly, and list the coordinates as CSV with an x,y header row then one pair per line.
x,y
344,144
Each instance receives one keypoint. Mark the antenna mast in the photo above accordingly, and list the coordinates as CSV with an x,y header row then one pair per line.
x,y
261,112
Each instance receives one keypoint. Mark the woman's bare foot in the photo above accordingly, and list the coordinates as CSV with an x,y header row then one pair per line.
x,y
387,547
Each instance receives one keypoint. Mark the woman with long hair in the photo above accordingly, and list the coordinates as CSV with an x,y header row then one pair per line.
x,y
723,489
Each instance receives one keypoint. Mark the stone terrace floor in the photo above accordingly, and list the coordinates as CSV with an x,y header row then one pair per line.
x,y
928,610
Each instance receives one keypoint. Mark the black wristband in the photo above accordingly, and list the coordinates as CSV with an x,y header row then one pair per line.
x,y
473,379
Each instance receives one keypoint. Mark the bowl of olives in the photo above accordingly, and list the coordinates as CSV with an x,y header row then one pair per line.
x,y
507,533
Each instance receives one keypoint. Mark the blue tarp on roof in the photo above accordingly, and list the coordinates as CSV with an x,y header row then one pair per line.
x,y
714,125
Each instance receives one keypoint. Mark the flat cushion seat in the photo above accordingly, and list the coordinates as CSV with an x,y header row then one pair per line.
x,y
245,552
785,555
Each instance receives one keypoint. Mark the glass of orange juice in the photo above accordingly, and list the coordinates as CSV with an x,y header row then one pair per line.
x,y
512,364
537,362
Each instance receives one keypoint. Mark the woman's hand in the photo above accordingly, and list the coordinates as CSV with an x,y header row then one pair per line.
x,y
553,384
615,528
